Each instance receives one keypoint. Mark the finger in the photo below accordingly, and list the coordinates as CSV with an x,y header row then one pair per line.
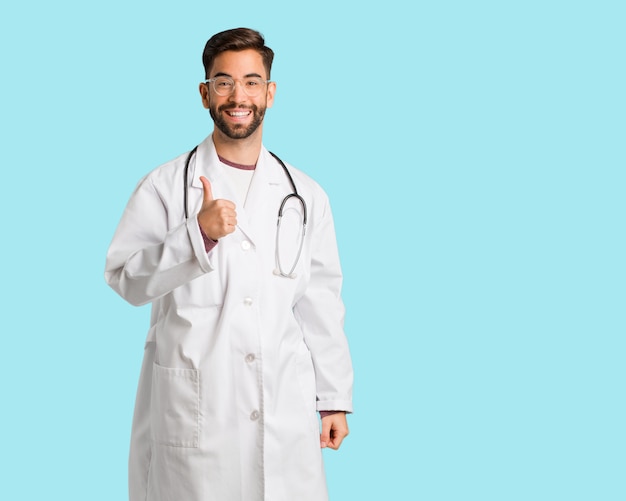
x,y
325,435
336,439
226,205
225,212
206,188
230,225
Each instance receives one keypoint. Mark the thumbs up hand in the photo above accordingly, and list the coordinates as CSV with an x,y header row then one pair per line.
x,y
217,218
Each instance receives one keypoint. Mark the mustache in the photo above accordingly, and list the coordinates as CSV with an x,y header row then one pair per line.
x,y
225,107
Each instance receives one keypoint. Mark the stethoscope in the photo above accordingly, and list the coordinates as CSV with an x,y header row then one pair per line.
x,y
279,271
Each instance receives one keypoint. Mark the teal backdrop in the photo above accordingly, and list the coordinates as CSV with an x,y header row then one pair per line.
x,y
474,153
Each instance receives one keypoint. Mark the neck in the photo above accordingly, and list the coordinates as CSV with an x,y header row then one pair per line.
x,y
242,151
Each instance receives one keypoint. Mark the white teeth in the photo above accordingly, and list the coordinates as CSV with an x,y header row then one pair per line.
x,y
238,113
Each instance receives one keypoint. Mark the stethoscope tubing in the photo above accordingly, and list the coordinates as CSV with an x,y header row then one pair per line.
x,y
279,270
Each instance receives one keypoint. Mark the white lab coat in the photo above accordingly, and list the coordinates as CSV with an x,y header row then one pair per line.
x,y
237,359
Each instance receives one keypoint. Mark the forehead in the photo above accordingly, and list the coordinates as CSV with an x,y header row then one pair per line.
x,y
239,63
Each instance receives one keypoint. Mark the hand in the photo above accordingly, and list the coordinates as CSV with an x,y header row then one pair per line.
x,y
217,218
334,430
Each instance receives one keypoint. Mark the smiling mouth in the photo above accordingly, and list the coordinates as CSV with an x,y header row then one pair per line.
x,y
238,114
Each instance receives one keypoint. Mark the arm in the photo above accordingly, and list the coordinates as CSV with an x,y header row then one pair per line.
x,y
320,312
148,257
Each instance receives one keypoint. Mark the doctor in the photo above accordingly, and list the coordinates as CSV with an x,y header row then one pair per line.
x,y
241,351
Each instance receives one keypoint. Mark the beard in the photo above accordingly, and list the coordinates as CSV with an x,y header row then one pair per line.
x,y
237,131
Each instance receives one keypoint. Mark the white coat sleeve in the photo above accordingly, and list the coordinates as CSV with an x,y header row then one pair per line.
x,y
147,258
320,312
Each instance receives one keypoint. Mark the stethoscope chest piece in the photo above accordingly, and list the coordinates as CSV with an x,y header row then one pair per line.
x,y
278,273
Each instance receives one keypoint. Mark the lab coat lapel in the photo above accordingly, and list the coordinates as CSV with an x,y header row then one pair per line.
x,y
208,164
263,199
259,208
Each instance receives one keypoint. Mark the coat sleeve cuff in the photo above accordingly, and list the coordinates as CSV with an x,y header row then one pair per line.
x,y
335,405
323,414
197,242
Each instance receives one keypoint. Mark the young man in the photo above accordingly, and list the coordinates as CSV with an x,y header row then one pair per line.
x,y
246,339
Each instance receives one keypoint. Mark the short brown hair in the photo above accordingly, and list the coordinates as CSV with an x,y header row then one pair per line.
x,y
237,39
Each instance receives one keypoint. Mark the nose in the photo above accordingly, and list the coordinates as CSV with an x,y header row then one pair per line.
x,y
238,95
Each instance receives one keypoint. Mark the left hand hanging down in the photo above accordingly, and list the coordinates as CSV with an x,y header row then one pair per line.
x,y
334,430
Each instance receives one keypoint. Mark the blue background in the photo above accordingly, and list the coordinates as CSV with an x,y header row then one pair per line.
x,y
474,155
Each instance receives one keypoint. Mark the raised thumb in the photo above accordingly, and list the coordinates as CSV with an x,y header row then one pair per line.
x,y
206,188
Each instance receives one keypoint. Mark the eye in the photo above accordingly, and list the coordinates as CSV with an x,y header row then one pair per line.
x,y
223,83
255,82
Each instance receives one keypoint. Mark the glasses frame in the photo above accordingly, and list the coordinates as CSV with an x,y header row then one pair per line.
x,y
234,80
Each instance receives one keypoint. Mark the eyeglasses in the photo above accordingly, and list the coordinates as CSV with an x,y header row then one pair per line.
x,y
225,86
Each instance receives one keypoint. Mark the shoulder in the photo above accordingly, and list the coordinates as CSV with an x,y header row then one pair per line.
x,y
317,201
164,179
168,171
305,183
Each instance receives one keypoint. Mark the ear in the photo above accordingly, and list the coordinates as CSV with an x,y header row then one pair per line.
x,y
204,94
271,90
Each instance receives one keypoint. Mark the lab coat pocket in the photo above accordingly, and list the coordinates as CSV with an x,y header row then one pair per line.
x,y
175,406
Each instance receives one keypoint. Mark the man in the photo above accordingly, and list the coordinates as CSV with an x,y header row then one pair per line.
x,y
246,338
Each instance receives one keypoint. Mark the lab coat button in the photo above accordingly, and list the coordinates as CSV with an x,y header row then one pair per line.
x,y
245,245
255,415
250,358
248,301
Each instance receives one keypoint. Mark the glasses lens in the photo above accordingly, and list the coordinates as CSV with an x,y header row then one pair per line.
x,y
253,86
224,86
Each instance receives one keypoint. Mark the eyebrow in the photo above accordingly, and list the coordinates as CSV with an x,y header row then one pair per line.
x,y
249,75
